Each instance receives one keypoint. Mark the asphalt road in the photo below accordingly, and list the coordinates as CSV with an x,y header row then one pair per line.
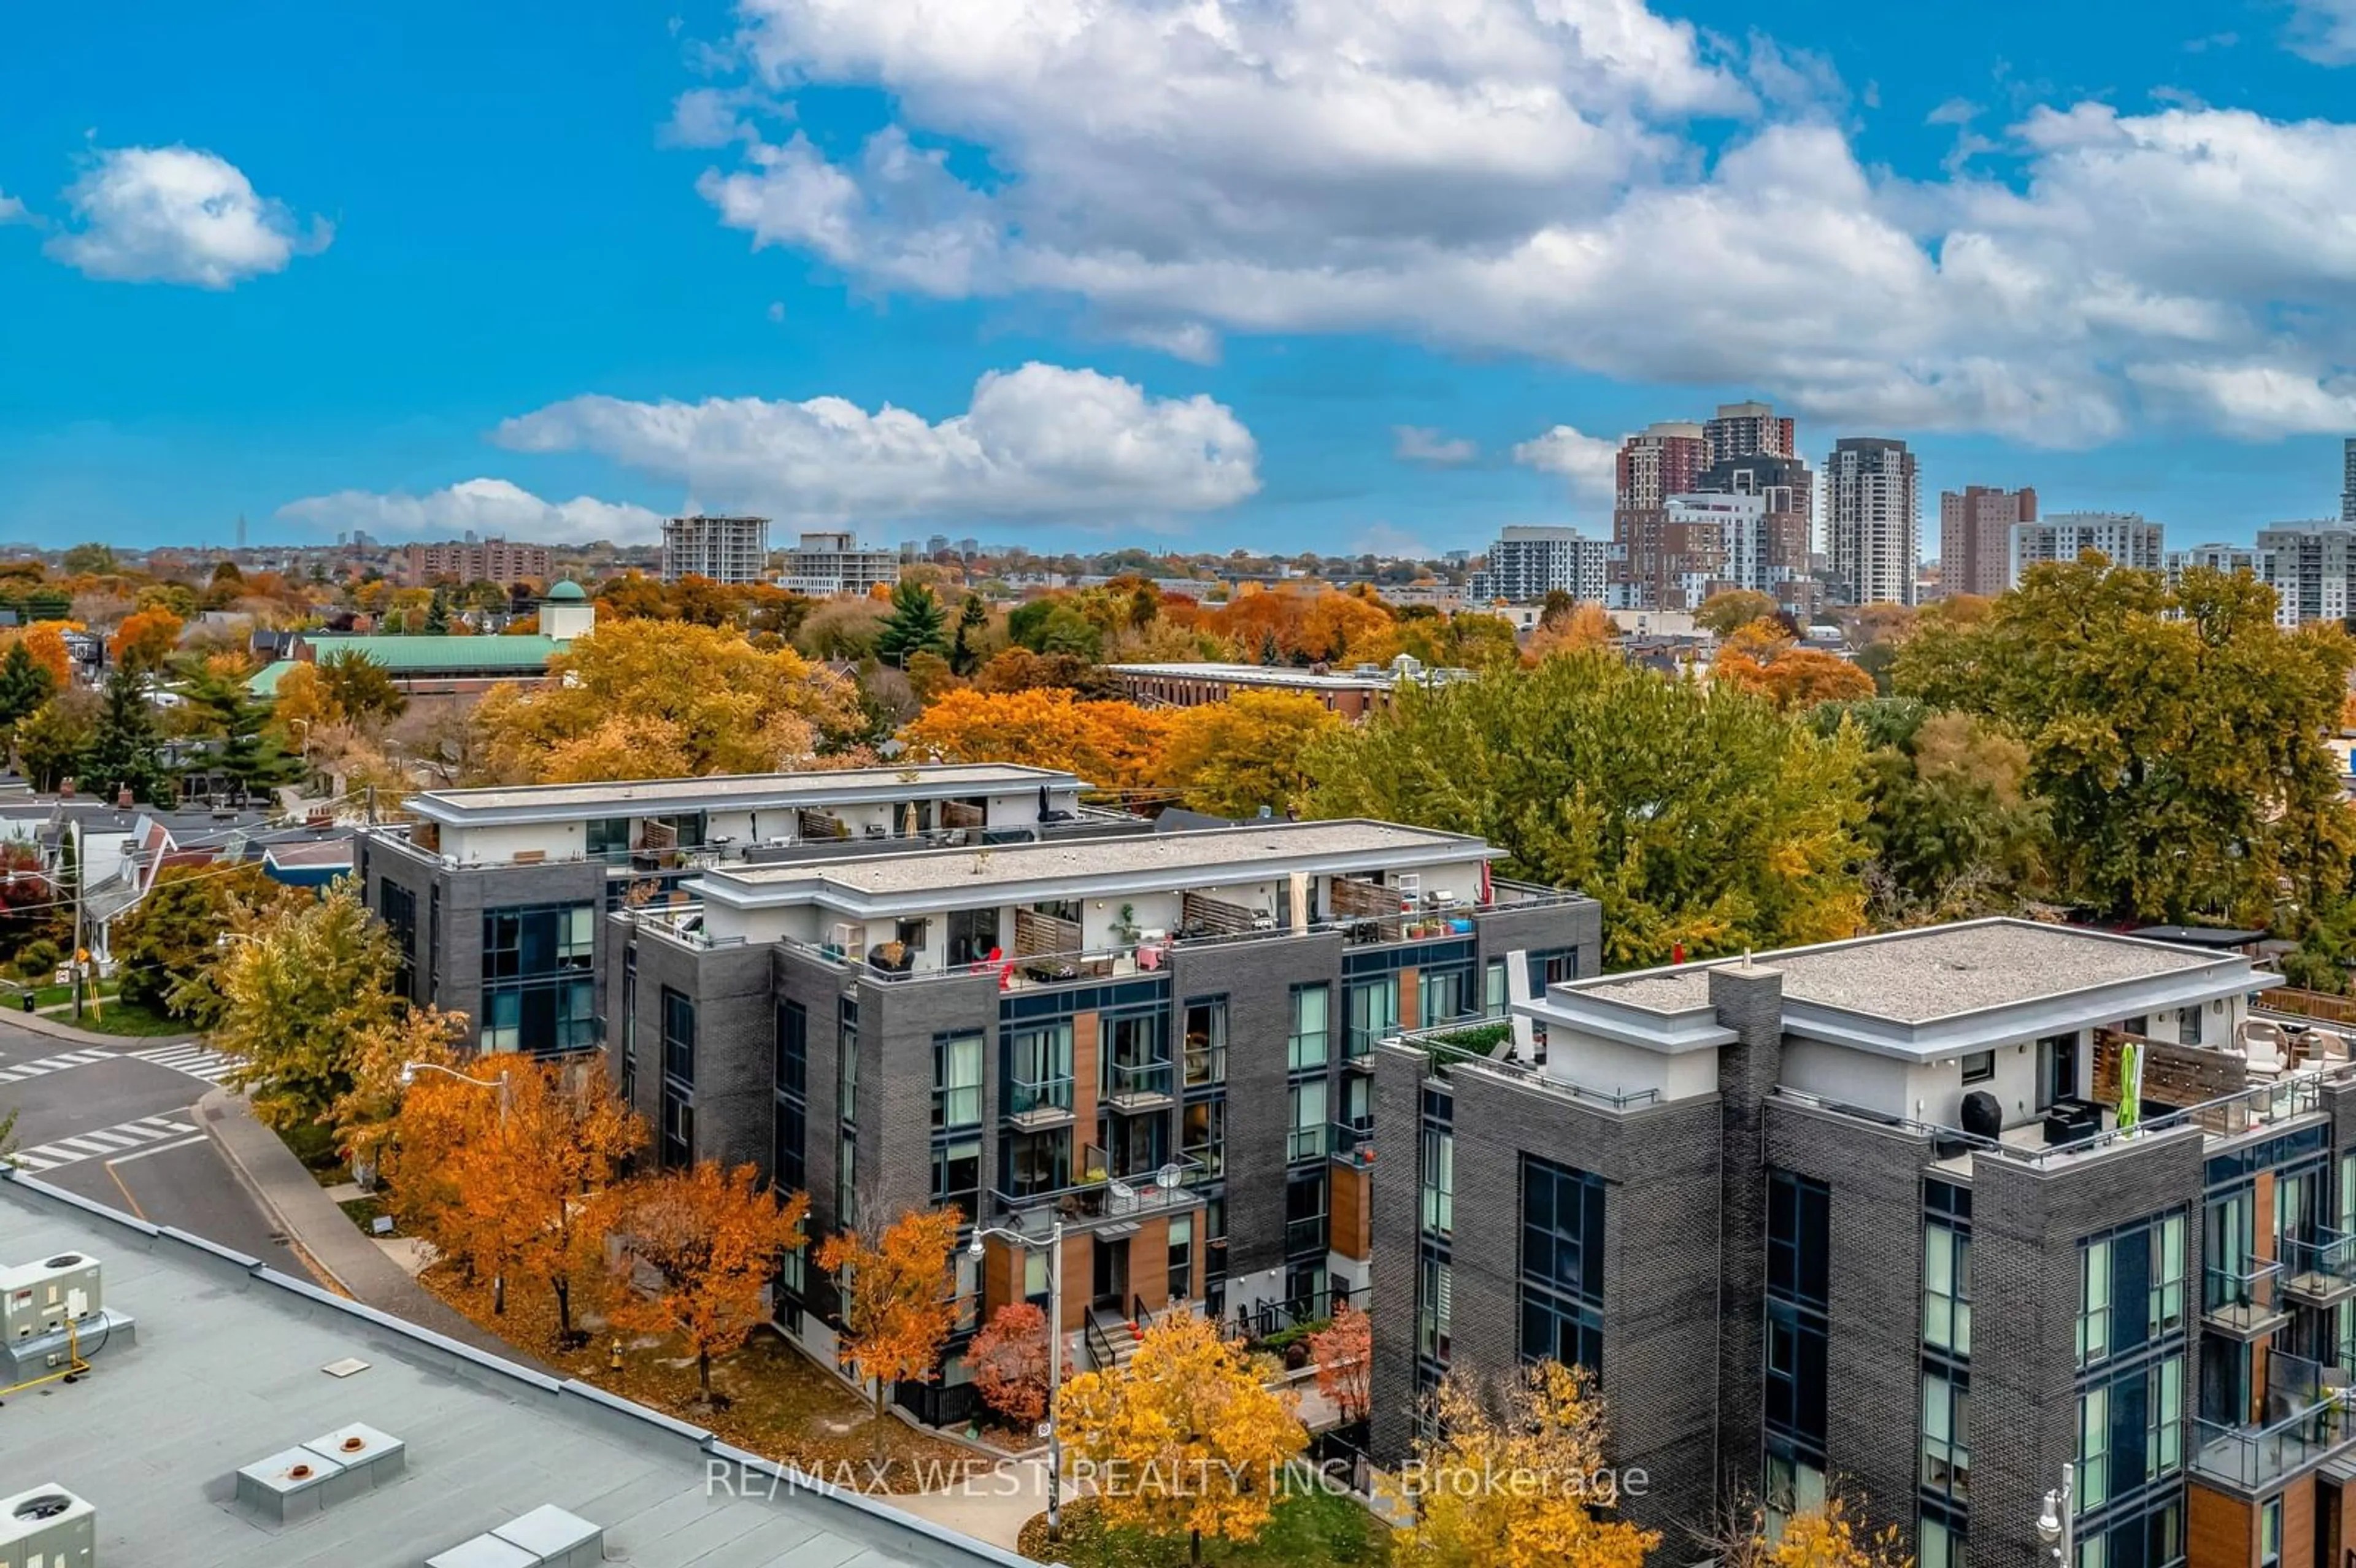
x,y
124,1131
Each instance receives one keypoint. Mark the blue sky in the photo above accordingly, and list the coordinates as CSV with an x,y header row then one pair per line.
x,y
1065,271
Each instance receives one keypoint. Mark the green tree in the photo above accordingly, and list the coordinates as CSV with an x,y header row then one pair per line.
x,y
224,711
437,616
25,684
361,688
1722,612
124,744
914,627
56,736
298,993
1698,818
169,943
2174,737
964,659
88,559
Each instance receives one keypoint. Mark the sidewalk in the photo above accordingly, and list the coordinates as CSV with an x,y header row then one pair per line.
x,y
992,1508
42,1023
344,1258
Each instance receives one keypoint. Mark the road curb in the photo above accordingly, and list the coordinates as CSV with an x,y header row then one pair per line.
x,y
211,1110
41,1023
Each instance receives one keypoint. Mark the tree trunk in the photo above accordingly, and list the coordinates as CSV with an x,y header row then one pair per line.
x,y
703,1373
1193,1546
498,1294
563,1310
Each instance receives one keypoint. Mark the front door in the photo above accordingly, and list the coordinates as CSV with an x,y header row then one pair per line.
x,y
1112,1275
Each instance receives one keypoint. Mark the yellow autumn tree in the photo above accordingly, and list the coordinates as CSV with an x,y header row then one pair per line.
x,y
1200,1443
1232,758
639,698
1825,1536
1511,1474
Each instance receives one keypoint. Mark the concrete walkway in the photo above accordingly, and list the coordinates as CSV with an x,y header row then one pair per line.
x,y
344,1259
63,1028
992,1507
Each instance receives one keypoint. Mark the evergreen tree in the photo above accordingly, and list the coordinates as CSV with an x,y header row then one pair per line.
x,y
915,627
248,753
437,616
963,660
25,684
123,752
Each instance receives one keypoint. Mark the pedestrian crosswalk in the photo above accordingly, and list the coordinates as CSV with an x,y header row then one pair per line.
x,y
10,1073
193,1060
107,1143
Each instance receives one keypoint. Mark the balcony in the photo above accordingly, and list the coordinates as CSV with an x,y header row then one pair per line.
x,y
2307,1422
1303,1145
2242,1304
1102,1200
1354,1142
2320,1271
1036,1104
1305,1236
1137,1088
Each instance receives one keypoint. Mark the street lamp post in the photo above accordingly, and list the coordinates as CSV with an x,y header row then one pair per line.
x,y
2057,1522
409,1072
1054,1245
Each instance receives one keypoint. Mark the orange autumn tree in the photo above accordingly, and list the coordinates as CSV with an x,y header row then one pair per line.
x,y
505,1175
146,639
45,640
711,1239
1344,1354
1116,745
1512,1473
1583,626
1232,758
899,1297
1761,658
1188,1417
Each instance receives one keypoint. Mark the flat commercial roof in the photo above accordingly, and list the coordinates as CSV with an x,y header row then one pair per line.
x,y
1918,991
1266,674
725,791
1139,863
230,1367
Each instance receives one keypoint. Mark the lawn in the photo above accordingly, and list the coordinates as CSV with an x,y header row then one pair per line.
x,y
1310,1530
779,1405
127,1018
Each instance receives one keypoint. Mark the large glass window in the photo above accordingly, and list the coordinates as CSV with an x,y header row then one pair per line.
x,y
956,1083
1308,1136
1304,1213
1039,1068
1946,1433
1203,1133
539,994
2094,1332
1947,1289
1443,996
397,907
957,1175
1311,1044
1182,1257
2270,1524
1037,1163
678,1037
789,1166
1135,1053
1561,1265
608,838
1799,1247
1206,1043
792,1068
2094,1482
1374,1012
1439,1182
1799,1274
1433,1309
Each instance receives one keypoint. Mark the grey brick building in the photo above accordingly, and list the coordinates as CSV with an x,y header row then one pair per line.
x,y
494,895
1163,1041
1864,1217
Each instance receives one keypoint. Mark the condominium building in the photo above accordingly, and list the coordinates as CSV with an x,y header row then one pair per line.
x,y
1873,519
1787,489
725,550
1975,526
2312,567
1749,430
2347,480
1657,463
1924,1218
2123,538
2228,559
491,561
826,565
493,896
1526,563
1160,1043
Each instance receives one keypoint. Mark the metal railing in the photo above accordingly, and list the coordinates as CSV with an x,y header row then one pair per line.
x,y
1136,1081
1272,1318
1304,1236
2328,1254
2307,1420
1109,1196
1354,1142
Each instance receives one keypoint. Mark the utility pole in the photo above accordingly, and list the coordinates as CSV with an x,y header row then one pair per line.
x,y
73,851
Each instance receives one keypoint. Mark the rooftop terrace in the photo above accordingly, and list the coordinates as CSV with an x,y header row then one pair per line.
x,y
541,803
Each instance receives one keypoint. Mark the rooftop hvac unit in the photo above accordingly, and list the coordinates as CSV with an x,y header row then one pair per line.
x,y
48,1527
547,1536
43,1297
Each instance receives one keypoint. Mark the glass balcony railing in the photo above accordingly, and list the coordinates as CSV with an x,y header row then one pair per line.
x,y
1304,1236
2243,1295
1128,1083
1355,1141
1033,1098
2308,1421
1098,1194
2326,1261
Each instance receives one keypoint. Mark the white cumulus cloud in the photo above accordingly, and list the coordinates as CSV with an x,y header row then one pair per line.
x,y
2324,30
1422,444
12,211
486,506
1589,463
1530,176
1040,441
176,214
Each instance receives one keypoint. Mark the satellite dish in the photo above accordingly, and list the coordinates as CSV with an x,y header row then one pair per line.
x,y
1170,1175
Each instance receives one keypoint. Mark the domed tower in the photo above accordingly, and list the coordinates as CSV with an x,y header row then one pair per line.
x,y
566,612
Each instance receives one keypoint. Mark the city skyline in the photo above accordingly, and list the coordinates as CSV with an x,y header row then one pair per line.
x,y
788,260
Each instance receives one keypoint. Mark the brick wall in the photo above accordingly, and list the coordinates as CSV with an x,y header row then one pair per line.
x,y
1749,1002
